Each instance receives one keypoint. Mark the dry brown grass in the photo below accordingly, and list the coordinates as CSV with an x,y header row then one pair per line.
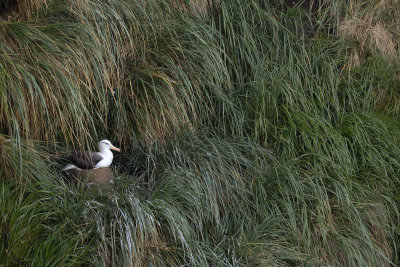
x,y
21,9
203,8
4,143
330,227
375,28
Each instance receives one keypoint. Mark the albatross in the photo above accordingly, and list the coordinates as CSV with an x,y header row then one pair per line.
x,y
92,160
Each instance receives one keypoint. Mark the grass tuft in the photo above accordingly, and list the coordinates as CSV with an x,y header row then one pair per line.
x,y
253,133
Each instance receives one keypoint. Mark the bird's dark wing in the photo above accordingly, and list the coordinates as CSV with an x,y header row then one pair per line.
x,y
85,160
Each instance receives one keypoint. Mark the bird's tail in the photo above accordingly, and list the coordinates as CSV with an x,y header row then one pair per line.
x,y
69,167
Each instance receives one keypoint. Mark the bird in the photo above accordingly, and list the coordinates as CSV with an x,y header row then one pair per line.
x,y
92,160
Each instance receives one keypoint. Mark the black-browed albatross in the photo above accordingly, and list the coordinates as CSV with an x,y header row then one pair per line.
x,y
92,160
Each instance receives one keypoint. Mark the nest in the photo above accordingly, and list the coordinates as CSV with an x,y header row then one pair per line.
x,y
99,177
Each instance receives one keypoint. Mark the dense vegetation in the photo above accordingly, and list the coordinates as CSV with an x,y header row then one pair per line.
x,y
254,133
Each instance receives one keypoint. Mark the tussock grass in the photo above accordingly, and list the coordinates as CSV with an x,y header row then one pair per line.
x,y
248,139
375,28
32,232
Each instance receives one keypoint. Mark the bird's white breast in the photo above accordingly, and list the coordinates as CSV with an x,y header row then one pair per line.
x,y
106,161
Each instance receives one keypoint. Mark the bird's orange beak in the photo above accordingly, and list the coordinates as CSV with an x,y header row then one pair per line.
x,y
115,148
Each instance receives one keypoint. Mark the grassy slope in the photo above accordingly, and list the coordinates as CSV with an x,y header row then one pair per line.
x,y
245,141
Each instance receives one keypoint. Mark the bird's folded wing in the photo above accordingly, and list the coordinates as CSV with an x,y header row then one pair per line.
x,y
85,160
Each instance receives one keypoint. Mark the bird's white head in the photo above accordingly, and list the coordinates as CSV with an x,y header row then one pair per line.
x,y
105,145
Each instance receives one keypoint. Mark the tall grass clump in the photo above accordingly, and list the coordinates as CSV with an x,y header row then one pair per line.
x,y
156,74
254,133
31,231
